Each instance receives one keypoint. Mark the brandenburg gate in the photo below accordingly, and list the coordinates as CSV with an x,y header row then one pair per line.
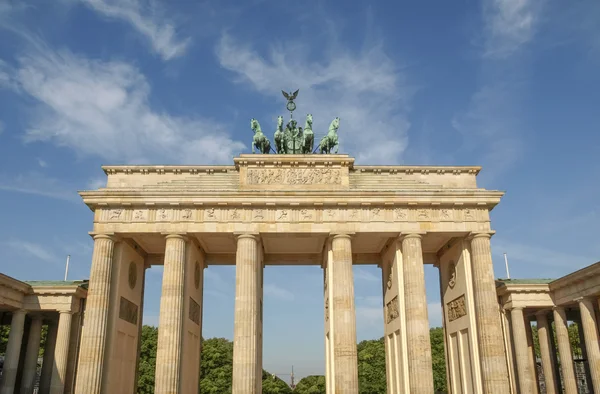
x,y
292,209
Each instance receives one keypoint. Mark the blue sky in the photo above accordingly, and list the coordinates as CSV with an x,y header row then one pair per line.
x,y
511,85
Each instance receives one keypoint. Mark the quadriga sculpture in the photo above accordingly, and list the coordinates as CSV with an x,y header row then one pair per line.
x,y
309,136
260,141
330,141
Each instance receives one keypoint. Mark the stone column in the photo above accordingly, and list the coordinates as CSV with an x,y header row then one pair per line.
x,y
31,355
420,370
93,336
522,355
48,362
343,315
564,350
547,352
590,332
61,353
246,338
494,369
13,351
170,326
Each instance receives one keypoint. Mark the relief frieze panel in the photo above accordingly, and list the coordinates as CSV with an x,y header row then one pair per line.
x,y
392,310
225,214
294,176
128,311
456,308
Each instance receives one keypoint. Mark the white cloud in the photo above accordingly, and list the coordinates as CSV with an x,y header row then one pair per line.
x,y
103,110
145,18
510,24
96,183
39,184
272,290
32,249
364,274
42,163
366,90
490,126
538,256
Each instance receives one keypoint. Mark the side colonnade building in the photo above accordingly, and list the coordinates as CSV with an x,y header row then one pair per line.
x,y
295,210
551,305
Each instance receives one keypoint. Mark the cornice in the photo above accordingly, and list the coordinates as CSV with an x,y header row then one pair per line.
x,y
353,198
165,169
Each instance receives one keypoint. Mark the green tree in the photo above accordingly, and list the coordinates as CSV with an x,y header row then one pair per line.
x,y
438,358
371,367
147,360
274,385
314,384
574,339
216,366
4,331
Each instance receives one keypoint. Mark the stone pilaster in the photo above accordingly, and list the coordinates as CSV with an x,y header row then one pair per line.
x,y
494,369
31,355
590,332
564,350
547,352
61,353
522,355
13,351
48,362
93,337
343,315
170,327
246,333
417,322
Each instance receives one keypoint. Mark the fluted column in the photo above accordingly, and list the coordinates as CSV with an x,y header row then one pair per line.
x,y
170,326
13,351
494,369
93,336
343,315
522,355
590,332
61,353
246,338
420,370
547,352
564,350
48,362
31,355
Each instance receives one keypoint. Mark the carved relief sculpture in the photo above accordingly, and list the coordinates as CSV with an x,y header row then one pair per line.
x,y
294,176
393,309
194,313
115,214
132,278
456,308
452,275
128,311
186,214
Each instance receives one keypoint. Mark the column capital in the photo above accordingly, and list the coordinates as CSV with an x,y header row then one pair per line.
x,y
110,236
558,308
581,300
480,234
348,235
19,312
516,308
416,234
182,236
254,236
65,311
